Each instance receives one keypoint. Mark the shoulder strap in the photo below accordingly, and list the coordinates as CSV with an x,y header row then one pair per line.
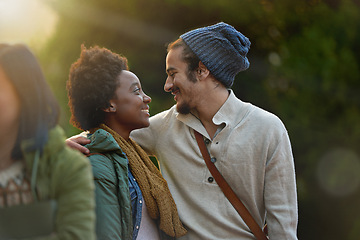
x,y
228,192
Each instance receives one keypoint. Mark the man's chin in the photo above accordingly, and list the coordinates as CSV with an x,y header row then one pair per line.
x,y
183,108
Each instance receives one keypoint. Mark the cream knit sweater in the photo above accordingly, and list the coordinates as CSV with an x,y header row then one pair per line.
x,y
253,153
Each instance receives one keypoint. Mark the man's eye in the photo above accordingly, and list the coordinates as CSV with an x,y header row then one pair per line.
x,y
137,90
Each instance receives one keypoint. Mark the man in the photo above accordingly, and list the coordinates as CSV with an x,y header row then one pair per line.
x,y
249,146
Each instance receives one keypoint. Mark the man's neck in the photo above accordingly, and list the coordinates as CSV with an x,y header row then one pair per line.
x,y
209,106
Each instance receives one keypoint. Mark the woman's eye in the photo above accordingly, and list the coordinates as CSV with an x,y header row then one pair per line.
x,y
137,90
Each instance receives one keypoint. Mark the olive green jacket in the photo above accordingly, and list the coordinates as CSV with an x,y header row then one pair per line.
x,y
65,175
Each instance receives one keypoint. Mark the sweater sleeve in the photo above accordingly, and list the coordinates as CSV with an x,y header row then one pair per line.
x,y
147,137
280,191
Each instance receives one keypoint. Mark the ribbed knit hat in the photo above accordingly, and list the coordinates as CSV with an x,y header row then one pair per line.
x,y
221,48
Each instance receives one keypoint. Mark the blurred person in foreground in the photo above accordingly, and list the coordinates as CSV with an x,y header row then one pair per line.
x,y
46,188
132,198
249,146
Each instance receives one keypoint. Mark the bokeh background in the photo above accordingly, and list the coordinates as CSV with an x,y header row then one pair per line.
x,y
305,58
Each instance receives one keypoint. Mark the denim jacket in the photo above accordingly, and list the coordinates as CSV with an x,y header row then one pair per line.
x,y
136,204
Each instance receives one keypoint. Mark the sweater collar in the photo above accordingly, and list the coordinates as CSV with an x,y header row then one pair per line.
x,y
230,113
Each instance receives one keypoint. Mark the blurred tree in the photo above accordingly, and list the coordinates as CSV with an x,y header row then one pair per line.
x,y
305,58
313,85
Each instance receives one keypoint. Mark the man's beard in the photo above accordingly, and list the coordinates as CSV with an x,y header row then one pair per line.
x,y
183,108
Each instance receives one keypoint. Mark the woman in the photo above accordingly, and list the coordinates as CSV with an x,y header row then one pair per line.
x,y
46,189
131,195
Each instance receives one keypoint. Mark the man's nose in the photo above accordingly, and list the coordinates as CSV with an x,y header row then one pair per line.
x,y
168,84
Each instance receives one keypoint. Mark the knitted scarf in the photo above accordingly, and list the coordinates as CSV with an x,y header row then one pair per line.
x,y
154,188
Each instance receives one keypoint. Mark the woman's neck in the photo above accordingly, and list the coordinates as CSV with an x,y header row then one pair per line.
x,y
6,162
124,133
6,147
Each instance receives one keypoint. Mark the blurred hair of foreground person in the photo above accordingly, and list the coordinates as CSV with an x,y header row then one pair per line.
x,y
46,189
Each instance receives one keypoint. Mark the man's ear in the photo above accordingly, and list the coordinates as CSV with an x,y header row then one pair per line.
x,y
202,71
111,108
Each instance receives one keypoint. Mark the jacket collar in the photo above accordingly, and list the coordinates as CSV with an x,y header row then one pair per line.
x,y
102,141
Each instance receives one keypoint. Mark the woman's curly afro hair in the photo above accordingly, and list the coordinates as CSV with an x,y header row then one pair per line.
x,y
92,83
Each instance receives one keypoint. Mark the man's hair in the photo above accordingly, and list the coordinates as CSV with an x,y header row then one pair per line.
x,y
188,56
39,109
92,83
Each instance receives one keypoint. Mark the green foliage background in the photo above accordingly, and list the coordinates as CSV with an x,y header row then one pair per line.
x,y
305,58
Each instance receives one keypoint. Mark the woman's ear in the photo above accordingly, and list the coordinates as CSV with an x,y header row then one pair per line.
x,y
111,108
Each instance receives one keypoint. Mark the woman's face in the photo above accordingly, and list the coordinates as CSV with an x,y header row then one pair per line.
x,y
130,103
9,105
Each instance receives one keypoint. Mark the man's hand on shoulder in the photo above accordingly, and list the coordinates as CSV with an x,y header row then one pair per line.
x,y
77,142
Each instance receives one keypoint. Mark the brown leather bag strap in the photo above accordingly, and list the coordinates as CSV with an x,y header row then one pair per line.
x,y
228,192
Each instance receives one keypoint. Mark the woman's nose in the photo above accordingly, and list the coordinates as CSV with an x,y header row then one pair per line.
x,y
146,98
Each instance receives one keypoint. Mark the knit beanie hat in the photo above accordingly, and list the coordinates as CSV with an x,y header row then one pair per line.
x,y
221,48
